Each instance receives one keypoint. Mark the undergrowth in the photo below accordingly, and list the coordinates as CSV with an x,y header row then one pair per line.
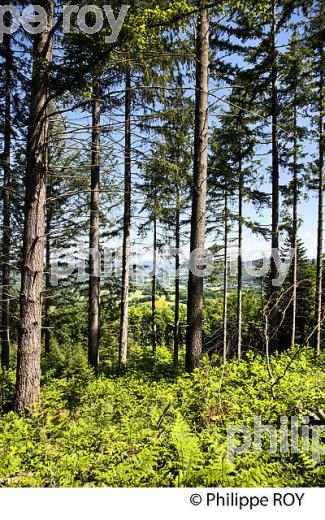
x,y
151,427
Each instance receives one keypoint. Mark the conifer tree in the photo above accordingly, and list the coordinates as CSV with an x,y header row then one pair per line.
x,y
294,95
315,42
6,208
29,344
123,346
199,189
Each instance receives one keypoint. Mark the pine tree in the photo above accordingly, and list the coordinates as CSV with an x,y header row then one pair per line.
x,y
265,57
29,345
233,179
94,261
305,275
294,95
152,207
171,158
123,346
66,193
315,43
223,184
199,189
6,210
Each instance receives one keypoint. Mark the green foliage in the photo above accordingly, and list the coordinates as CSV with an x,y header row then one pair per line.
x,y
140,323
69,332
70,325
252,331
148,427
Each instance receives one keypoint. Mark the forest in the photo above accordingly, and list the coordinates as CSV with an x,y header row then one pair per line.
x,y
162,288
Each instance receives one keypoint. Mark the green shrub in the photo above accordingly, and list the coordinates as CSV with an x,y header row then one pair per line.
x,y
150,427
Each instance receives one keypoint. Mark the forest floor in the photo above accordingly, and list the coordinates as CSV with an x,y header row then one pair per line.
x,y
150,427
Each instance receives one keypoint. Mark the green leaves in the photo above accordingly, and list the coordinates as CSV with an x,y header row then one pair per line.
x,y
188,451
103,432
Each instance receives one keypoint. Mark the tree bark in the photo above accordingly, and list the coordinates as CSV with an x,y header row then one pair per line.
x,y
294,228
123,350
94,253
47,329
6,234
29,343
275,147
225,279
273,295
320,227
199,188
154,289
177,281
240,262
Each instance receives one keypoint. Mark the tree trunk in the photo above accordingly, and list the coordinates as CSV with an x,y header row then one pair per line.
x,y
94,253
47,330
240,262
6,234
199,188
294,229
275,146
320,229
154,289
275,172
29,343
123,350
177,284
225,279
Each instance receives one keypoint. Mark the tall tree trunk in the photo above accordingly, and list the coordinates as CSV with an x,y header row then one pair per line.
x,y
47,300
294,228
275,145
47,331
6,234
154,289
123,350
177,281
29,343
94,253
199,188
225,279
240,262
320,229
275,172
